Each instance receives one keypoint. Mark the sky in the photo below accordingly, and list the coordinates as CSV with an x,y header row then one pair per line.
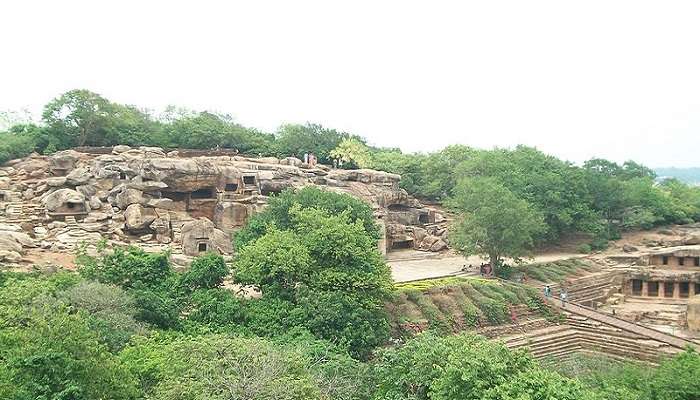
x,y
612,79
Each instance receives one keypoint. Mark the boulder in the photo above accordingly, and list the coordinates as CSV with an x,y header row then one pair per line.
x,y
10,256
129,196
692,240
58,181
78,176
146,186
66,202
8,243
165,204
32,165
120,149
200,236
628,248
138,218
10,227
95,203
439,245
5,183
152,151
63,162
293,161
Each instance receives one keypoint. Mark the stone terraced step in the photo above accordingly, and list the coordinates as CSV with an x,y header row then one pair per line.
x,y
537,333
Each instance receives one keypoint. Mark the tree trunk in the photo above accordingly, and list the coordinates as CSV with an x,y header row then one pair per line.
x,y
495,261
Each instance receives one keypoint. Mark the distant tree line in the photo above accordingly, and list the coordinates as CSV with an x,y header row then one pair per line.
x,y
83,118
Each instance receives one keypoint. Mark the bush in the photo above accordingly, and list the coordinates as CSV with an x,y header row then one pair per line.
x,y
584,248
109,311
599,244
127,267
277,213
206,272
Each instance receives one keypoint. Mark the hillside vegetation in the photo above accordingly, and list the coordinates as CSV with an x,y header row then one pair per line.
x,y
599,198
451,305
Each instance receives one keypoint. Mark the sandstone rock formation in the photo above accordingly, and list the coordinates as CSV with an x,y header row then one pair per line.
x,y
183,201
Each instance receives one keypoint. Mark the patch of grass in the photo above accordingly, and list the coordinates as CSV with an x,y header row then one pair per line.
x,y
452,304
557,271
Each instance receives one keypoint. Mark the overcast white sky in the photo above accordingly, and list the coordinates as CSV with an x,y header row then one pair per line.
x,y
613,79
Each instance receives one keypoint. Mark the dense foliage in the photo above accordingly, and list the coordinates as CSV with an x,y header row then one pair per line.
x,y
320,262
63,336
492,221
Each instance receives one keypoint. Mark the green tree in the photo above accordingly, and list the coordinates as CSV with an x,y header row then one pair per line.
x,y
277,212
79,117
110,312
352,152
328,267
295,140
539,384
492,221
554,188
206,272
127,267
221,367
56,356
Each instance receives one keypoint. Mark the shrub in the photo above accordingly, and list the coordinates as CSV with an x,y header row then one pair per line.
x,y
206,272
584,248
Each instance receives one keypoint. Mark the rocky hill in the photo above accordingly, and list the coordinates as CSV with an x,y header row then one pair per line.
x,y
186,201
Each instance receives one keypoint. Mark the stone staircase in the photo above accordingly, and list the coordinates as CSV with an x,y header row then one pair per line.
x,y
590,289
585,330
582,335
19,211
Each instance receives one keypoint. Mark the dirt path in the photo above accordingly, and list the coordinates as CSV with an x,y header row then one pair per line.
x,y
412,265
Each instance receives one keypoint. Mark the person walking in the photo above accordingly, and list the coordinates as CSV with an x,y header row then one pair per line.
x,y
547,292
306,158
562,296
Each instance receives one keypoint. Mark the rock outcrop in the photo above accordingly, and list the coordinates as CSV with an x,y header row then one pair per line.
x,y
155,199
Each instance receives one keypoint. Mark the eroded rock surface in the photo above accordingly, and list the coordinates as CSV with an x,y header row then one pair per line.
x,y
158,200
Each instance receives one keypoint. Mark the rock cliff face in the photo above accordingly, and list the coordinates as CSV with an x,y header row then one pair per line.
x,y
191,204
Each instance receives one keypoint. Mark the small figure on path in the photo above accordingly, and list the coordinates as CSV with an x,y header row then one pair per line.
x,y
547,292
513,315
306,158
562,296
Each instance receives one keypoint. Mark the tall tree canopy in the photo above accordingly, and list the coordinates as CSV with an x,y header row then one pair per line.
x,y
492,221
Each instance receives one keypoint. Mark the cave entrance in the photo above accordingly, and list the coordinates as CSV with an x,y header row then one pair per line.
x,y
668,289
175,196
202,247
653,289
636,287
402,244
204,193
249,180
684,289
398,208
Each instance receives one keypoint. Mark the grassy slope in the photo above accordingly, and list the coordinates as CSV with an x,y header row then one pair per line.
x,y
455,304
